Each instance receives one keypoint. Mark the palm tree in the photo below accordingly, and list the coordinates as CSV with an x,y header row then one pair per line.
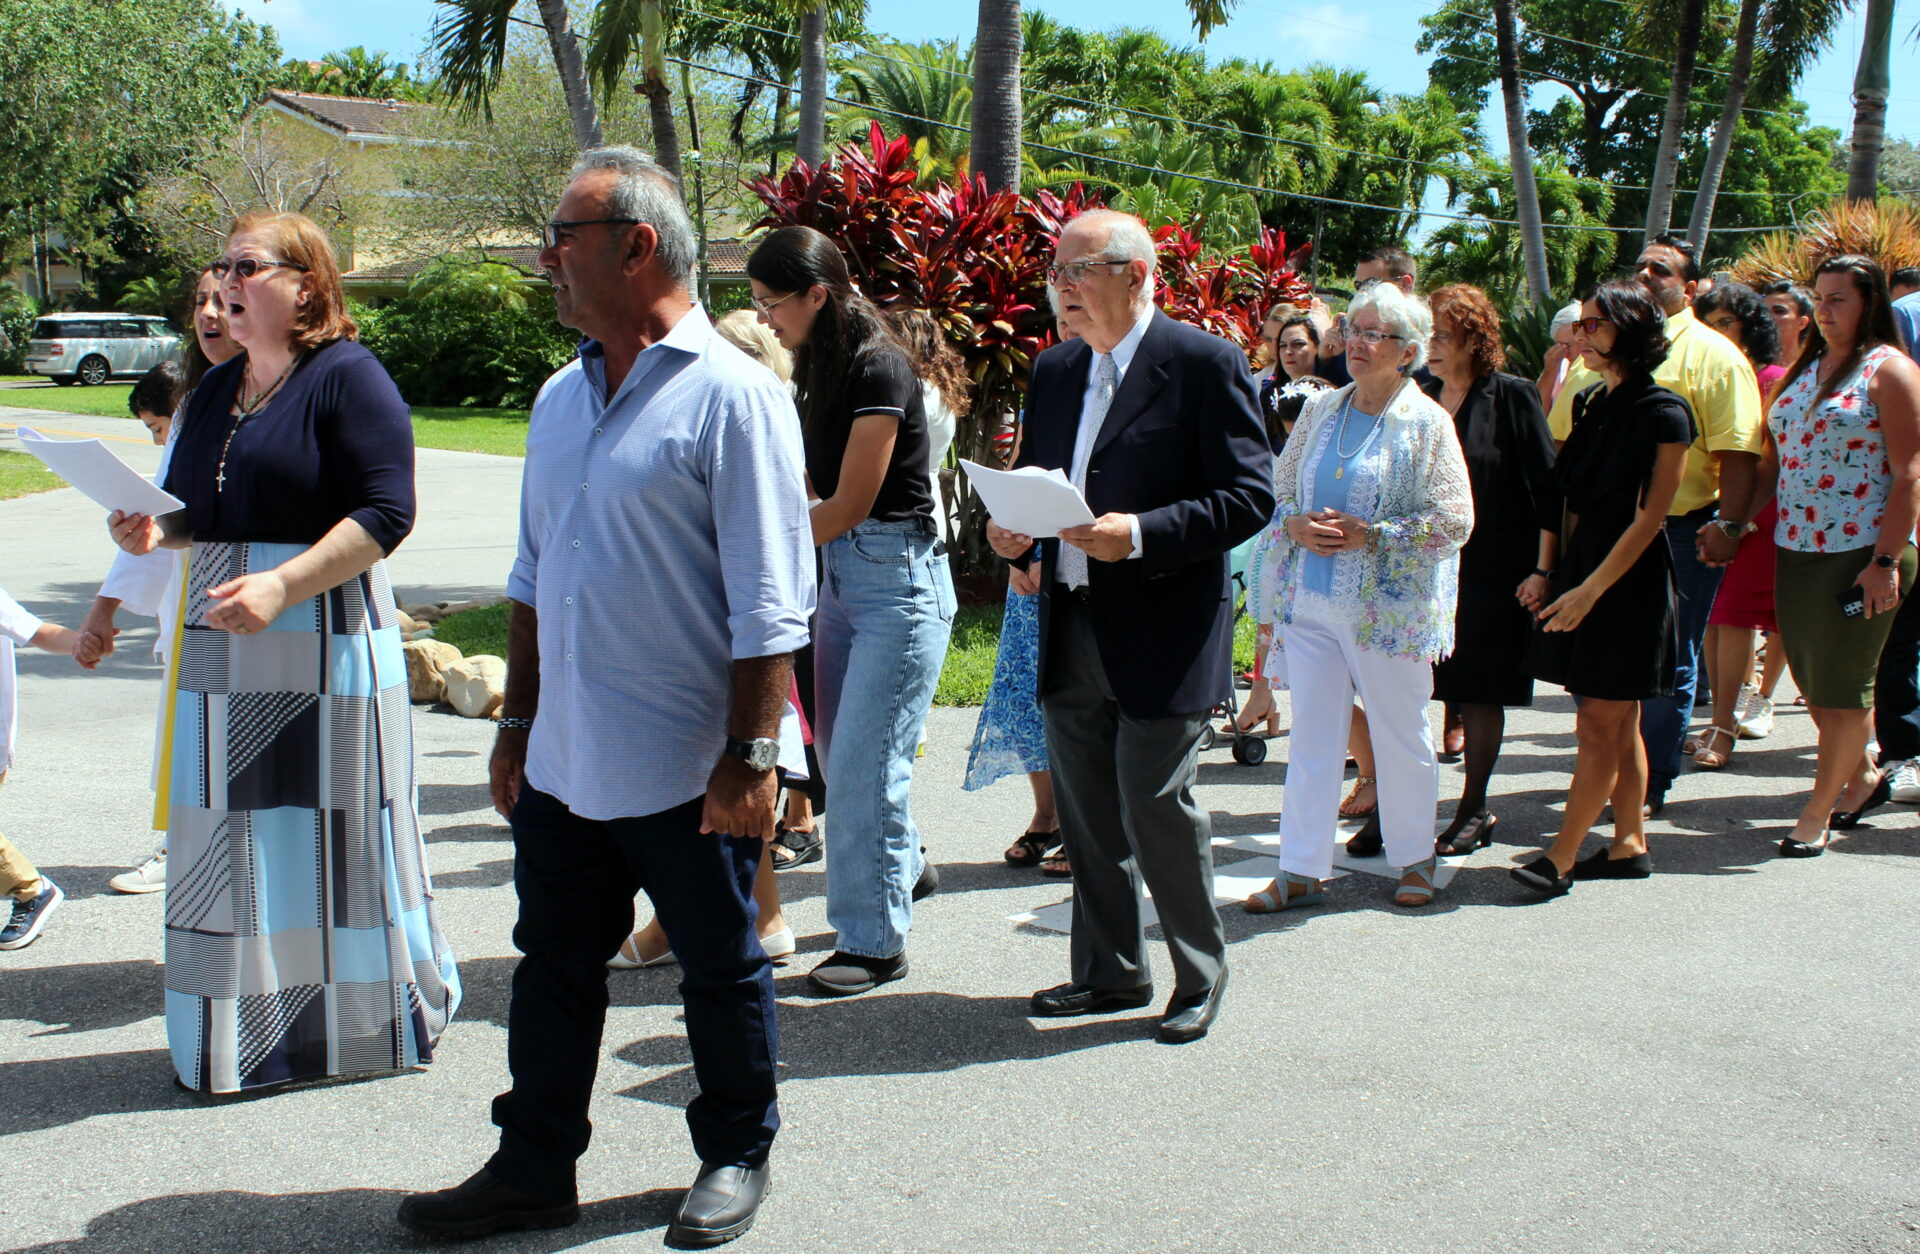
x,y
1533,244
1666,162
470,42
996,94
1870,85
623,30
811,144
922,91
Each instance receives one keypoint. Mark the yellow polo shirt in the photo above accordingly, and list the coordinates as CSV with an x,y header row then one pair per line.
x,y
1714,377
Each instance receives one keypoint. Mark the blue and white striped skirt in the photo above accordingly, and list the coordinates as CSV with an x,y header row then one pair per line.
x,y
301,937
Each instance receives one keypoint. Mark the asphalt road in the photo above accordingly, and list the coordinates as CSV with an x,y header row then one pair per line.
x,y
1721,1058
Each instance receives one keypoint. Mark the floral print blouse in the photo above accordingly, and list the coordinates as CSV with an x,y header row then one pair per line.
x,y
1834,474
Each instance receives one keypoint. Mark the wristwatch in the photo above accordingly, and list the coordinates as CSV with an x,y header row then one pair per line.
x,y
1729,528
760,754
1886,561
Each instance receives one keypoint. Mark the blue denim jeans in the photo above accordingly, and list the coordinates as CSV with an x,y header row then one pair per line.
x,y
1664,720
886,610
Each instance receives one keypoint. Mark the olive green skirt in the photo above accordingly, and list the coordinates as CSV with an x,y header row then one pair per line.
x,y
1833,657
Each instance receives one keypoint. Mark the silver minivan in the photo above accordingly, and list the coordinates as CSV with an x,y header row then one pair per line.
x,y
91,348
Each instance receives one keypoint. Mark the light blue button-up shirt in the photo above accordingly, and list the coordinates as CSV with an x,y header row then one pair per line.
x,y
663,534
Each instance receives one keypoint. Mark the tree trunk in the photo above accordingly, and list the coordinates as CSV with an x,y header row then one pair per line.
x,y
1533,237
1701,223
782,99
699,200
573,73
811,146
1870,84
1666,165
666,136
996,95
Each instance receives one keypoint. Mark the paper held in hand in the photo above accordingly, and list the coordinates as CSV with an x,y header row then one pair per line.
x,y
91,466
1030,501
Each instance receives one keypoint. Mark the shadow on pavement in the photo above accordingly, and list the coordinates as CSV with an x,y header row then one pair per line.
x,y
79,882
343,1220
455,798
82,996
54,1092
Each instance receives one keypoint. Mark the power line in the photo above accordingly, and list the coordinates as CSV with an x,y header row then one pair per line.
x,y
1181,174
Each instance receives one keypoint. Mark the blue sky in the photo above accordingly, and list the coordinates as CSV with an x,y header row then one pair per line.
x,y
1377,35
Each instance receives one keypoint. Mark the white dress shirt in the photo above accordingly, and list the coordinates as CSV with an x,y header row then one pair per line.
x,y
17,626
1089,433
149,585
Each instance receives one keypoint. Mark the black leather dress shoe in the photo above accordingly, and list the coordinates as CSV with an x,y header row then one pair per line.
x,y
720,1206
1085,999
1188,1018
1367,843
929,882
1598,866
1543,877
483,1204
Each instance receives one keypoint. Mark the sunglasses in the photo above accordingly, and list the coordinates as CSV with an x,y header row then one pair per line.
x,y
1587,326
247,267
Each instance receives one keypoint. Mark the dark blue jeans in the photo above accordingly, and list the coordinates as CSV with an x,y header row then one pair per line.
x,y
576,879
1663,720
1896,687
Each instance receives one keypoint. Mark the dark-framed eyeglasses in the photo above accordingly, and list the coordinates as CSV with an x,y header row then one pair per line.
x,y
1587,326
1074,273
550,234
247,267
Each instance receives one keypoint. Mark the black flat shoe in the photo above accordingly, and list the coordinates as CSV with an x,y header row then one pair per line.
x,y
1598,866
843,975
720,1206
1847,820
1476,834
1791,848
1366,842
929,882
483,1204
1543,877
1084,999
799,845
1188,1018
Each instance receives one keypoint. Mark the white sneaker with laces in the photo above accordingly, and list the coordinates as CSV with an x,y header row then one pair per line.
x,y
1906,782
149,877
1756,714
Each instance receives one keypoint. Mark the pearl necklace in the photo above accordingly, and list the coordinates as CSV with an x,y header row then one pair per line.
x,y
1373,428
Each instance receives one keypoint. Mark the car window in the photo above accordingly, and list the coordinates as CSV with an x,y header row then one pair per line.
x,y
47,329
128,330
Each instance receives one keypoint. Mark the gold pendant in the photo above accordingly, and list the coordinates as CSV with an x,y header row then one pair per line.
x,y
1339,472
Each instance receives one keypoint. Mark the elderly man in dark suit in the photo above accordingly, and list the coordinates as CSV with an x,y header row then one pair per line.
x,y
1156,423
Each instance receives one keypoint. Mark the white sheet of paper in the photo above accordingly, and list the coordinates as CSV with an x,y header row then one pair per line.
x,y
91,466
1030,501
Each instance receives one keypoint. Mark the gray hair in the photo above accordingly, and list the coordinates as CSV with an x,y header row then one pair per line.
x,y
1405,316
648,193
1127,240
1565,318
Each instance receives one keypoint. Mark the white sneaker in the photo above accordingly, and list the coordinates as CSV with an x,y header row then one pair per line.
x,y
1906,782
1756,714
149,877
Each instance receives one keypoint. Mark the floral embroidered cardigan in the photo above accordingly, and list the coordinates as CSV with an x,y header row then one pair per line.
x,y
1399,591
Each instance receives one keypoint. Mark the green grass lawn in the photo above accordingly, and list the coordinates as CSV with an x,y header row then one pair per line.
x,y
499,431
964,679
23,475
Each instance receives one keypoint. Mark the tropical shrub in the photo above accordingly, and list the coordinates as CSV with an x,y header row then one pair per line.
x,y
1887,231
467,333
16,324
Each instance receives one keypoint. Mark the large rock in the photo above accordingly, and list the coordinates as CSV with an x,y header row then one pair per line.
x,y
476,685
427,661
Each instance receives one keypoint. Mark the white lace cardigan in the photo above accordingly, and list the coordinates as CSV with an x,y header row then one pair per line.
x,y
1399,591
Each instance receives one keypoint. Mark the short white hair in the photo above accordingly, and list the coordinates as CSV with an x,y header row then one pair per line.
x,y
1128,239
1405,316
1565,318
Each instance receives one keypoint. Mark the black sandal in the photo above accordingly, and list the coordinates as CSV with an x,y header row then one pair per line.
x,y
1031,848
795,846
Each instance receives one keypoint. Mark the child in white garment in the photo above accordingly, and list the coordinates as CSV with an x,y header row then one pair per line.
x,y
32,895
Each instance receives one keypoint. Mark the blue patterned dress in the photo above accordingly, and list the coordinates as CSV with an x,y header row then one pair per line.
x,y
1010,738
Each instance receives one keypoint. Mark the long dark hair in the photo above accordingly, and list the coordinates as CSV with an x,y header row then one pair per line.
x,y
933,355
1759,338
847,331
1876,321
193,358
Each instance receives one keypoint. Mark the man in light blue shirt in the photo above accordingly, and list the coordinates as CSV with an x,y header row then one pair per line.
x,y
1906,318
663,582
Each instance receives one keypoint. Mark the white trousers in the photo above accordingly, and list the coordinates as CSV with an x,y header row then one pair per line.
x,y
1325,667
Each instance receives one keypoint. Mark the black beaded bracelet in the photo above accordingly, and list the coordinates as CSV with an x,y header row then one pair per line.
x,y
524,724
1544,574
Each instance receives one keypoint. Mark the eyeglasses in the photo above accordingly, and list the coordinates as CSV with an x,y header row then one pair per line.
x,y
1372,337
247,267
1074,273
1587,326
550,235
768,306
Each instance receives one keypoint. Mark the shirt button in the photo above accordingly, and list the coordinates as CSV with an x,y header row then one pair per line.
x,y
576,544
583,487
569,657
569,600
599,430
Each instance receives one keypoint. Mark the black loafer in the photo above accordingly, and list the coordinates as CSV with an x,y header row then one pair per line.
x,y
1847,820
842,975
483,1204
720,1206
1791,848
1598,866
1543,877
929,882
1188,1018
1084,999
1366,842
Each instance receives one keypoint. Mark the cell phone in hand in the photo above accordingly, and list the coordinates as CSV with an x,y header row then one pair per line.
x,y
1853,601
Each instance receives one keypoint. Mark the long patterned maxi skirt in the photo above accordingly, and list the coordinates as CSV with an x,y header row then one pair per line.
x,y
301,937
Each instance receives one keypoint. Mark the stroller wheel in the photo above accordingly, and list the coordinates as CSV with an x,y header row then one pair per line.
x,y
1209,738
1249,750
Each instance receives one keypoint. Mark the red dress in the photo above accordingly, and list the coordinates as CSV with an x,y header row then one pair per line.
x,y
1746,593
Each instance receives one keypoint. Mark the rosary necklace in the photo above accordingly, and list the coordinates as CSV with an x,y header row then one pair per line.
x,y
247,410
